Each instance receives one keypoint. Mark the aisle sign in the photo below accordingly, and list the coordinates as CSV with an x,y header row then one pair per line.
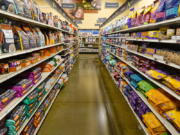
x,y
111,4
68,5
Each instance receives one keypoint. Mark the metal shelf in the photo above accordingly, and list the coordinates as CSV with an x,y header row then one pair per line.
x,y
29,21
165,122
47,111
8,55
138,119
170,41
148,57
165,88
148,26
8,76
16,101
27,120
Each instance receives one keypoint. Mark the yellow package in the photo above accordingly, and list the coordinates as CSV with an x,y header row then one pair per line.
x,y
156,74
174,116
153,124
160,100
173,82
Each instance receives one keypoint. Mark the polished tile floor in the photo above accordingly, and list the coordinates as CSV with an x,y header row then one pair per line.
x,y
90,104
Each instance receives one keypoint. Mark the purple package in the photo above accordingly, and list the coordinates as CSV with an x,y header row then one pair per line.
x,y
22,87
6,97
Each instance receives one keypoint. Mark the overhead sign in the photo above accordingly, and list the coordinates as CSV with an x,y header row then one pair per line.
x,y
68,5
78,21
111,4
101,20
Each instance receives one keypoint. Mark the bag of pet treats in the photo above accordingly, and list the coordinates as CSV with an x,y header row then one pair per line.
x,y
7,39
21,39
20,7
8,5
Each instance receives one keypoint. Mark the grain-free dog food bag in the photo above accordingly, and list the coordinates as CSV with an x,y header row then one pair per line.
x,y
32,38
6,39
8,5
21,39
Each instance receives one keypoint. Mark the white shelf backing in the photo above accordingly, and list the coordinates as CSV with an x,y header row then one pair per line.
x,y
165,122
47,111
8,76
168,90
138,119
27,120
8,55
16,101
148,57
29,21
149,26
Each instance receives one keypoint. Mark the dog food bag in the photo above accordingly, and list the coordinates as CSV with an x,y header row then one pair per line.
x,y
20,7
8,5
7,39
21,39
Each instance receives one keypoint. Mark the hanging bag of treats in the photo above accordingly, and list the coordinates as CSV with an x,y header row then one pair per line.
x,y
6,39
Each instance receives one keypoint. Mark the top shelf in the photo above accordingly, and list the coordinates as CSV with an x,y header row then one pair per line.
x,y
29,21
149,26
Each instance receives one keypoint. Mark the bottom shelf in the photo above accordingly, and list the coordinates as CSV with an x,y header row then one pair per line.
x,y
138,119
40,124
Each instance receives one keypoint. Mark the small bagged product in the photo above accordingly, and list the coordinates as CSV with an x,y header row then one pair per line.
x,y
6,39
14,65
6,97
4,68
8,5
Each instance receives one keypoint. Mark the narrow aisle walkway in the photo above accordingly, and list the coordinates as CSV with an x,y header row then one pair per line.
x,y
81,107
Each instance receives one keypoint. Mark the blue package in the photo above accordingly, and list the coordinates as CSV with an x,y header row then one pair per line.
x,y
171,3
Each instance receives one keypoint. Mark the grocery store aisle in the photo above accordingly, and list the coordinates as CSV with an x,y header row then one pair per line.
x,y
90,104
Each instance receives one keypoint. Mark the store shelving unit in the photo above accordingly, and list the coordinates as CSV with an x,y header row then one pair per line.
x,y
148,26
148,57
118,39
138,119
89,44
45,75
27,120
